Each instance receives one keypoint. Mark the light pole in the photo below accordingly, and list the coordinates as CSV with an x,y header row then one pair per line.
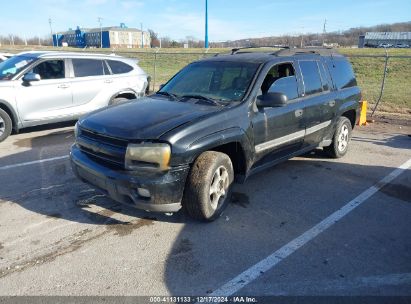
x,y
101,32
206,25
51,32
142,36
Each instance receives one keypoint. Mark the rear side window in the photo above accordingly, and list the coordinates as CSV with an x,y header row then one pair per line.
x,y
342,74
89,67
311,77
118,67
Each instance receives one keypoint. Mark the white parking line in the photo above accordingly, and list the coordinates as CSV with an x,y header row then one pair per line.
x,y
276,257
33,162
311,287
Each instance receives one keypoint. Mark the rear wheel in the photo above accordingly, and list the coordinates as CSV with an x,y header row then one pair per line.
x,y
5,125
341,138
208,187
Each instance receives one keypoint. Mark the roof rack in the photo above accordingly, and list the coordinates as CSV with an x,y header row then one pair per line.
x,y
235,50
325,51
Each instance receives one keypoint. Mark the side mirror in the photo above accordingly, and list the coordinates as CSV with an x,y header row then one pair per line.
x,y
272,99
29,77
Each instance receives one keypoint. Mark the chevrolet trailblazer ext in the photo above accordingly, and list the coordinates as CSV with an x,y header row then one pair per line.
x,y
218,120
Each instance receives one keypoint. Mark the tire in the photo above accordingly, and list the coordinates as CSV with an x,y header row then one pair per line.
x,y
5,125
208,187
341,138
117,100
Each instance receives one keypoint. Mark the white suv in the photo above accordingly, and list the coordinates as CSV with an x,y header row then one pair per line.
x,y
45,87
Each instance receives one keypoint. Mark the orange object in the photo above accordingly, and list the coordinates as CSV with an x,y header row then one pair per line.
x,y
363,113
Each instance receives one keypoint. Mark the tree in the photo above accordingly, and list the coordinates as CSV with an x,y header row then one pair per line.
x,y
155,42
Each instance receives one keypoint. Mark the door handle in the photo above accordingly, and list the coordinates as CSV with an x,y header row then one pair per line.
x,y
108,81
63,86
298,113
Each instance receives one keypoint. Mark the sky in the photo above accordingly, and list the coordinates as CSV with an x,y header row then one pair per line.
x,y
177,19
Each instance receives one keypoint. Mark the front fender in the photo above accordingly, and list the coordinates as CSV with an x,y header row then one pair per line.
x,y
211,141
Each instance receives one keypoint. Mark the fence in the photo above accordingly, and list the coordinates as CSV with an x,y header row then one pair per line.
x,y
383,78
374,68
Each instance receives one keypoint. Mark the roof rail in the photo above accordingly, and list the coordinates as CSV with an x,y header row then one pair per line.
x,y
235,50
324,51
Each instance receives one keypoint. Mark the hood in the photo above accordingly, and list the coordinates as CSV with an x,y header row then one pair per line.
x,y
6,83
146,118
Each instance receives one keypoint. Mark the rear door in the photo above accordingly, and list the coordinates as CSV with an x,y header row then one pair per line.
x,y
319,101
91,83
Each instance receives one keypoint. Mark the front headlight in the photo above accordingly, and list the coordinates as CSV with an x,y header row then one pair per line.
x,y
151,156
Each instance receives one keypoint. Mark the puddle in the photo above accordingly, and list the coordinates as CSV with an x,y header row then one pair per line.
x,y
128,228
184,246
54,215
398,191
240,199
52,139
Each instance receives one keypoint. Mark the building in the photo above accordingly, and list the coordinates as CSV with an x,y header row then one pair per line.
x,y
107,37
374,39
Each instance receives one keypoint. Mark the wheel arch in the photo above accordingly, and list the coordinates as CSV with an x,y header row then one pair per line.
x,y
232,142
129,94
351,115
5,106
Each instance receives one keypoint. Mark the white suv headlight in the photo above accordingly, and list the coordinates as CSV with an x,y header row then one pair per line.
x,y
151,156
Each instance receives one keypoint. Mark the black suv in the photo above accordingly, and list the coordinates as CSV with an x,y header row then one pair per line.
x,y
218,120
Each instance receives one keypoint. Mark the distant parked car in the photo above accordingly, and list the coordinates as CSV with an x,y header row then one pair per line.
x,y
385,45
5,56
402,45
44,87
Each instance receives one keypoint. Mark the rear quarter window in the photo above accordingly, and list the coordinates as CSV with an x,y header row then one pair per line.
x,y
118,67
89,67
342,74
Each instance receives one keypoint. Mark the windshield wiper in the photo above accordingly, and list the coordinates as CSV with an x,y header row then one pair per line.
x,y
165,93
208,99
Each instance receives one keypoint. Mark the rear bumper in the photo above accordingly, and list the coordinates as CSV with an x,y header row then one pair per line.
x,y
166,189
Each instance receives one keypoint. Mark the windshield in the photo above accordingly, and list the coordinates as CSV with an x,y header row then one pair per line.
x,y
216,80
10,67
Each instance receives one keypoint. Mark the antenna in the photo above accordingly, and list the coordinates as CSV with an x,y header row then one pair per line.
x,y
324,30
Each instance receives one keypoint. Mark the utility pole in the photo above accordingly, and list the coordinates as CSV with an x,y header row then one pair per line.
x,y
206,25
302,38
324,30
142,36
51,32
101,32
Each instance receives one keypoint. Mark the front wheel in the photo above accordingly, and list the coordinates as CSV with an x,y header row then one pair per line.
x,y
341,138
5,125
208,187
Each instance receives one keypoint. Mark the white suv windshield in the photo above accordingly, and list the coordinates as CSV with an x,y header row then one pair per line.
x,y
14,65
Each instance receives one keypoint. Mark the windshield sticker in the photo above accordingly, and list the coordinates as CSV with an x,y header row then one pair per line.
x,y
21,64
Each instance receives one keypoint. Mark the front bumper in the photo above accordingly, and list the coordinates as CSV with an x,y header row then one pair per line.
x,y
166,189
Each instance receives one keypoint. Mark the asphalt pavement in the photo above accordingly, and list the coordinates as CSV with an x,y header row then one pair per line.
x,y
310,226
